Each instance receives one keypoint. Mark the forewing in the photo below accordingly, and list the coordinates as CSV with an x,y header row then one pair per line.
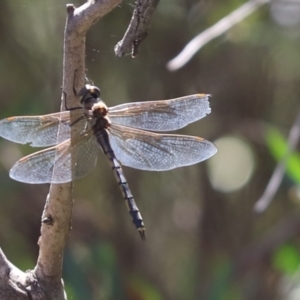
x,y
158,152
39,131
164,115
38,167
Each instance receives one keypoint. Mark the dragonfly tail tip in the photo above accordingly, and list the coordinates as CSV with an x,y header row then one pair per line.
x,y
142,233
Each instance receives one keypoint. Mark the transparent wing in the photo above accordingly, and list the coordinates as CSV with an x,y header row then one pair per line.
x,y
164,115
39,131
157,152
38,167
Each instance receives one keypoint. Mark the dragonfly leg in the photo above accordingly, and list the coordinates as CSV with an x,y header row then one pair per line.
x,y
65,102
77,120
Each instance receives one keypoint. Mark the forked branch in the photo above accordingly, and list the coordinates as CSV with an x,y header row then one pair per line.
x,y
44,282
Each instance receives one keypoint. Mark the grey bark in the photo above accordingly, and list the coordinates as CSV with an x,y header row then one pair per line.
x,y
138,27
44,281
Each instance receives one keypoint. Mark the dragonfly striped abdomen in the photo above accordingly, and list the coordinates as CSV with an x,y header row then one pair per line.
x,y
123,132
101,124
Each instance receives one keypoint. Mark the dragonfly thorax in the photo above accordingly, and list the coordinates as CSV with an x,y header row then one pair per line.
x,y
100,115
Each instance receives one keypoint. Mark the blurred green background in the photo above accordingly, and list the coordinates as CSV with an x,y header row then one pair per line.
x,y
204,239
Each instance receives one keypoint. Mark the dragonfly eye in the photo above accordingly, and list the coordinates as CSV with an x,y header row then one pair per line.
x,y
89,95
93,90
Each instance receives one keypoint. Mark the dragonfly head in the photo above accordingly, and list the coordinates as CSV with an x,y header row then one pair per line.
x,y
89,95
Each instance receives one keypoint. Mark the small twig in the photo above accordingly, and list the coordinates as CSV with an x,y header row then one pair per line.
x,y
214,31
279,171
283,231
137,30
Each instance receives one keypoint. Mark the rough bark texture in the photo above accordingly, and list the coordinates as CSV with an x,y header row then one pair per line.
x,y
137,30
45,282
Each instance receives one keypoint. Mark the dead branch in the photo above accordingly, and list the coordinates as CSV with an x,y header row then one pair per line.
x,y
45,282
277,176
137,30
212,32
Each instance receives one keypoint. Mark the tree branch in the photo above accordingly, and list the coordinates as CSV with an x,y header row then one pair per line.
x,y
214,31
44,282
137,30
12,280
277,176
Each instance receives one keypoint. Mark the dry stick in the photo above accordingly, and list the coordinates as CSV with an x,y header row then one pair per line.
x,y
44,282
214,31
7,273
274,183
137,30
257,253
14,282
59,203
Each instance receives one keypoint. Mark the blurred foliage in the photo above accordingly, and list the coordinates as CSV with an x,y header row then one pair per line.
x,y
287,259
201,243
279,148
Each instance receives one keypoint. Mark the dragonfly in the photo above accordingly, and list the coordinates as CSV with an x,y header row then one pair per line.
x,y
127,134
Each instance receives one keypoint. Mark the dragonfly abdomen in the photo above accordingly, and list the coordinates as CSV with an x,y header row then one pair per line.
x,y
127,195
103,140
